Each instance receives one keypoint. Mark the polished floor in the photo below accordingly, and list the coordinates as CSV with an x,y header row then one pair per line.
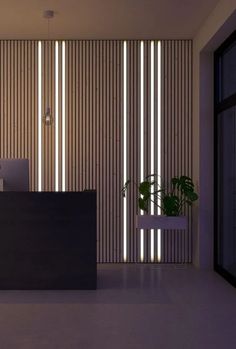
x,y
135,307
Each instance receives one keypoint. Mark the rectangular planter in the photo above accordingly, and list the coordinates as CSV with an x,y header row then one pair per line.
x,y
161,222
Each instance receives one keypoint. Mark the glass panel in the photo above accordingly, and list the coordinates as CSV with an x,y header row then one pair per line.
x,y
228,72
227,190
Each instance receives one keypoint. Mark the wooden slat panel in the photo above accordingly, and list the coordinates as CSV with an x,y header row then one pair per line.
x,y
93,147
177,135
18,100
94,128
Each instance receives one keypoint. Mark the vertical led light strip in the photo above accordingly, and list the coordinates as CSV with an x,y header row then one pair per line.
x,y
63,116
142,137
39,116
56,118
125,151
152,141
159,140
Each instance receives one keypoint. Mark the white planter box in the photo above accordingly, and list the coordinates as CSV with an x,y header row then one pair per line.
x,y
161,222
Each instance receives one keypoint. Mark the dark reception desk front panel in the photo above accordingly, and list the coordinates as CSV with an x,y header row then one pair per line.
x,y
48,240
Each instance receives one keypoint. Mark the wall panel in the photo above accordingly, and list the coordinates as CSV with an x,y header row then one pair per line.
x,y
177,136
94,154
18,102
94,128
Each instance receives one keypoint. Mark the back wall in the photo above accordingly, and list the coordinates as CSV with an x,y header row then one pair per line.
x,y
120,109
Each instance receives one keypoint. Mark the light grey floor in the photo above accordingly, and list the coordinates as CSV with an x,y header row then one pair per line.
x,y
135,306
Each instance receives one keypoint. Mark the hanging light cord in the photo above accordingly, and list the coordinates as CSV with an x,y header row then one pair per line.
x,y
48,14
48,109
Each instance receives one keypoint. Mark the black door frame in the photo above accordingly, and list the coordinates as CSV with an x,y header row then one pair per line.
x,y
220,106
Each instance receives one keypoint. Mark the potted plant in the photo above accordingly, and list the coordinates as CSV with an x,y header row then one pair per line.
x,y
171,201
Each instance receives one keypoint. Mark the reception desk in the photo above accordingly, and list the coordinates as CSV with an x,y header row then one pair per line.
x,y
48,240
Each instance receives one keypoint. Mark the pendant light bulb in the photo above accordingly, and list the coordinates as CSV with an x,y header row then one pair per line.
x,y
48,120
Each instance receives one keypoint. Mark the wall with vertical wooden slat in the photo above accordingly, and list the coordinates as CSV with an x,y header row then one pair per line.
x,y
177,136
94,125
19,103
94,133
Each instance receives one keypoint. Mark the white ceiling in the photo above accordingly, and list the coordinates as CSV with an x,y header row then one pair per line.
x,y
104,19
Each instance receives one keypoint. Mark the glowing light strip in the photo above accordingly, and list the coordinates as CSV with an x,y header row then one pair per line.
x,y
152,140
142,137
125,152
159,140
39,116
63,116
56,118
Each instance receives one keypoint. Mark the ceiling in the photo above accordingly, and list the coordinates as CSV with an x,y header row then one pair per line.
x,y
104,19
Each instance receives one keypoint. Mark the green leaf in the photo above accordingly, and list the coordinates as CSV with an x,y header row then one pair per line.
x,y
174,182
171,205
191,195
144,188
183,183
143,204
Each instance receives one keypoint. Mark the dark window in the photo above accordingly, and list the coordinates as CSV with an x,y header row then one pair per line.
x,y
227,68
225,159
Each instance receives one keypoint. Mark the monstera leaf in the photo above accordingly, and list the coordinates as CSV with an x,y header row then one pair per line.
x,y
191,196
183,183
145,188
171,205
143,204
145,195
